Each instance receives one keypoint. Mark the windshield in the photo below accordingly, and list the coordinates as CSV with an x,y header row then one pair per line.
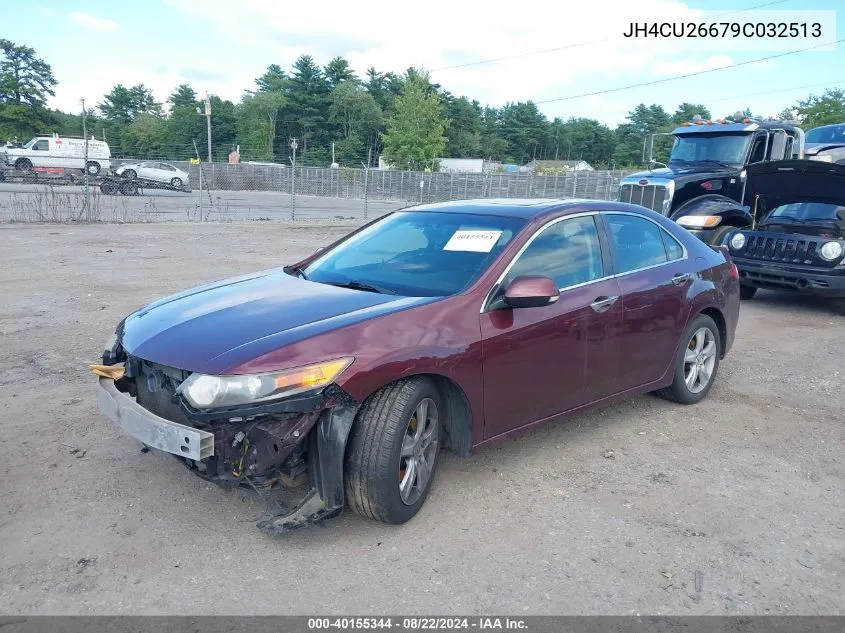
x,y
414,253
827,134
30,143
806,211
721,148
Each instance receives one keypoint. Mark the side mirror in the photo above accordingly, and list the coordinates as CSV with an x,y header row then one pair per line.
x,y
531,291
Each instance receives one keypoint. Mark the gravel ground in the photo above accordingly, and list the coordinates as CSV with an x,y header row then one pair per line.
x,y
733,506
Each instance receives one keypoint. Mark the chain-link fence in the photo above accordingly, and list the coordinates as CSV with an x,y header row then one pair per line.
x,y
222,191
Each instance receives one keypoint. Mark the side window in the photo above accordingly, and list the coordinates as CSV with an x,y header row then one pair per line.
x,y
569,252
673,248
42,145
637,242
758,149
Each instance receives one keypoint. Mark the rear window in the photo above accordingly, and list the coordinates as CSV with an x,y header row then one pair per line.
x,y
832,134
806,211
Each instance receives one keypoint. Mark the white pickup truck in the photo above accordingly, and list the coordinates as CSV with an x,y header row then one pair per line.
x,y
66,152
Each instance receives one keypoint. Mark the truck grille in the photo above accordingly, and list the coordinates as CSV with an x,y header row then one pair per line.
x,y
649,196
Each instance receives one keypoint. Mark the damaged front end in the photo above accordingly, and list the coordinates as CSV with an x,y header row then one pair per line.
x,y
260,445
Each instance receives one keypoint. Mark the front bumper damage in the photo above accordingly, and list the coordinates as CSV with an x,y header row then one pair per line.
x,y
257,446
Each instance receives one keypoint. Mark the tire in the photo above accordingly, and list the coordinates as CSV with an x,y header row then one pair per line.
x,y
838,306
92,167
176,182
719,234
701,328
23,164
375,470
747,292
109,187
129,174
129,189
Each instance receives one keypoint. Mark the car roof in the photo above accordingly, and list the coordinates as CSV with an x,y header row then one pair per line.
x,y
527,208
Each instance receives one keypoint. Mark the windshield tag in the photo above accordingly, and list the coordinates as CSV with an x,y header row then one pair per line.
x,y
473,241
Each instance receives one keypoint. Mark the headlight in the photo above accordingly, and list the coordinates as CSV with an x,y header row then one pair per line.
x,y
738,241
830,251
699,221
824,159
206,392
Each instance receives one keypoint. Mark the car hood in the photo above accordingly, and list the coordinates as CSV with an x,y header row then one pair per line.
x,y
811,149
215,327
787,181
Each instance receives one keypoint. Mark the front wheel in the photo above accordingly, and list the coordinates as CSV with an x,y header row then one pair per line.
x,y
393,450
23,164
696,362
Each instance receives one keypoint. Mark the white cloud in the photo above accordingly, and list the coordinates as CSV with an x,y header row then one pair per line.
x,y
93,22
444,33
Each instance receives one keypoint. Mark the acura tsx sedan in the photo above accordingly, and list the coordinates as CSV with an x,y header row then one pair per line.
x,y
440,326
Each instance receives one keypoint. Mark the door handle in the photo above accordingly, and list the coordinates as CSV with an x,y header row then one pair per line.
x,y
681,278
602,304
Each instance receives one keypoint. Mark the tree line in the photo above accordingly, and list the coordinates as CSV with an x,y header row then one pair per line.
x,y
332,113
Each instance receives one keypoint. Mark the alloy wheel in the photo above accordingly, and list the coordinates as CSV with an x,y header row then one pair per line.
x,y
700,360
419,449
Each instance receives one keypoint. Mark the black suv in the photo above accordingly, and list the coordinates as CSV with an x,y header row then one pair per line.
x,y
798,237
702,187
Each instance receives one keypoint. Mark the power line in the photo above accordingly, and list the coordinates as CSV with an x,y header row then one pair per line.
x,y
581,44
685,75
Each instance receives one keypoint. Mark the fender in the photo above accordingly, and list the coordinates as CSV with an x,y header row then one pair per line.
x,y
731,211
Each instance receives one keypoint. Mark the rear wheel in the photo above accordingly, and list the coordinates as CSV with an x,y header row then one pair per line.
x,y
176,182
129,189
109,187
393,449
696,362
92,167
129,174
747,292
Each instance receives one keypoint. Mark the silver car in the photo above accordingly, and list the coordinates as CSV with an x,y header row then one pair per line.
x,y
154,170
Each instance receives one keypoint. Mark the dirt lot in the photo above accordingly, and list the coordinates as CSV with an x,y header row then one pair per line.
x,y
733,506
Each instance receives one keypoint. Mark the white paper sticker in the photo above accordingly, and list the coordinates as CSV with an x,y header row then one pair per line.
x,y
473,241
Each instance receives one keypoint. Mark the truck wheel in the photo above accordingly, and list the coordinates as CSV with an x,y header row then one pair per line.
x,y
393,449
696,363
176,182
23,164
92,167
747,292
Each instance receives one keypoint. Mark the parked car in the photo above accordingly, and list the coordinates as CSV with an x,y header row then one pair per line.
x,y
155,170
798,243
826,143
447,325
65,152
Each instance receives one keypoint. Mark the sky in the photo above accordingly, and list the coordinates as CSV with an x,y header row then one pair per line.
x,y
221,46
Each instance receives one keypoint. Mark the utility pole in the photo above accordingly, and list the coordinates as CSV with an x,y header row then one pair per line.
x,y
85,136
293,146
208,122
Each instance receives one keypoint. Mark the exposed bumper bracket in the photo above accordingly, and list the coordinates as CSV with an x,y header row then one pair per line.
x,y
326,498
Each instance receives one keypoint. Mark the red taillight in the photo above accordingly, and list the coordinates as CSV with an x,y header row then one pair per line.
x,y
707,185
734,271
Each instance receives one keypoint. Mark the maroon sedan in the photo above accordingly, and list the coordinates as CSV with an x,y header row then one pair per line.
x,y
443,326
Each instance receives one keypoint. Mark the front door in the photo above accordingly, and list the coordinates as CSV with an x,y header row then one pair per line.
x,y
538,362
654,275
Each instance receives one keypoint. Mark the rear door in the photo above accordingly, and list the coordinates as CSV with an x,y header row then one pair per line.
x,y
541,361
655,275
